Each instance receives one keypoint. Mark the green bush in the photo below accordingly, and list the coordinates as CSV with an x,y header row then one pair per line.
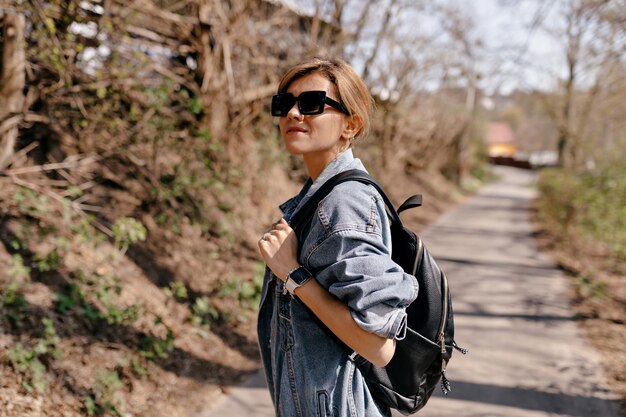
x,y
127,231
107,398
589,204
30,361
248,293
154,348
177,290
13,306
105,290
203,312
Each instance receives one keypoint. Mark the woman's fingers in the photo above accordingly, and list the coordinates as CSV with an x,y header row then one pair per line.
x,y
279,229
273,238
277,234
278,247
281,225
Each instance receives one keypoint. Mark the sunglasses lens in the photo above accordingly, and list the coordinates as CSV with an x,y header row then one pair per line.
x,y
282,103
311,102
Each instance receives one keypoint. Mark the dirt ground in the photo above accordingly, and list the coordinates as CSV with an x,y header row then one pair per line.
x,y
204,360
112,366
599,302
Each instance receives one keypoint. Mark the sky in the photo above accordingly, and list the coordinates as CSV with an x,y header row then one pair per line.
x,y
507,31
503,27
512,56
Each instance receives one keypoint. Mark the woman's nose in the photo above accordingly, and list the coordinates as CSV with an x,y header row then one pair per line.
x,y
294,112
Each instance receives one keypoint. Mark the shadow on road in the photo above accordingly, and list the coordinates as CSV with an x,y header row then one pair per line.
x,y
497,264
530,399
530,317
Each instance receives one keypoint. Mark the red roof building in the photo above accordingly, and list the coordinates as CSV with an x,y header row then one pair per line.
x,y
501,140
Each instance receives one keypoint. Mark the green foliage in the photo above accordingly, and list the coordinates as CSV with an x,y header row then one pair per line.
x,y
127,231
30,361
248,293
30,230
17,268
17,244
590,204
13,306
591,287
31,203
203,312
70,299
107,396
177,290
104,290
49,261
74,191
195,105
92,408
86,233
74,298
48,345
154,348
26,361
139,368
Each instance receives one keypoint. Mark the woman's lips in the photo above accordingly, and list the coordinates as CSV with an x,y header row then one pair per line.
x,y
295,129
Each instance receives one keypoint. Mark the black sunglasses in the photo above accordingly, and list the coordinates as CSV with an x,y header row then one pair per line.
x,y
309,103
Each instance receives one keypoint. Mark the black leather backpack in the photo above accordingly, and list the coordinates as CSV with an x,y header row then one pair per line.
x,y
420,359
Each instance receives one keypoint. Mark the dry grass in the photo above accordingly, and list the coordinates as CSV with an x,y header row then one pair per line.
x,y
598,296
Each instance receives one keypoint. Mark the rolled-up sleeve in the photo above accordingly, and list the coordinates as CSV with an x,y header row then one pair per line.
x,y
355,265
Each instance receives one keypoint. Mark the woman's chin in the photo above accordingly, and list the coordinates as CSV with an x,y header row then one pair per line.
x,y
294,148
295,151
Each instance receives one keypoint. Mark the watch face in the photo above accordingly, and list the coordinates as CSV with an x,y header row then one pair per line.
x,y
300,275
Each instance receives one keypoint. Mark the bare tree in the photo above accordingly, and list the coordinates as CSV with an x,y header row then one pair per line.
x,y
12,81
591,37
466,53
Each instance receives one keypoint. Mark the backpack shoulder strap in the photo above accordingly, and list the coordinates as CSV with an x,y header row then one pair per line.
x,y
305,213
413,201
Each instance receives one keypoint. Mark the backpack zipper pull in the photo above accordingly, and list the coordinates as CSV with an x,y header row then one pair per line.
x,y
459,348
445,384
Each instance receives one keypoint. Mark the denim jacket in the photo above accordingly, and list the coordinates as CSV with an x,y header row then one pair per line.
x,y
347,248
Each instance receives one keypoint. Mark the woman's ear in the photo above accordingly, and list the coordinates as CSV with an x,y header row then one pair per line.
x,y
353,125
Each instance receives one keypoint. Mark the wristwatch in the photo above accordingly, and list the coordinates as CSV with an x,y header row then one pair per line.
x,y
296,278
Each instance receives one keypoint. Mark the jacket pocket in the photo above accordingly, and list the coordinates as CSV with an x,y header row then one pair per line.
x,y
323,404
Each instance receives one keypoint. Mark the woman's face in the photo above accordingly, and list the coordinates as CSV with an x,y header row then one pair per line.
x,y
321,137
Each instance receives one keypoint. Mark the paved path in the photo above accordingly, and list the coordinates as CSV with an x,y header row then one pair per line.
x,y
527,356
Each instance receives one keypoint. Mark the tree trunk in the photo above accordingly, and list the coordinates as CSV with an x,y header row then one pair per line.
x,y
215,107
12,82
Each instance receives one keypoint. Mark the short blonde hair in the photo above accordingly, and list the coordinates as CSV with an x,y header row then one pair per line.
x,y
351,90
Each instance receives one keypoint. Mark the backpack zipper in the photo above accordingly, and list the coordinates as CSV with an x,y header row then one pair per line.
x,y
419,256
445,384
444,321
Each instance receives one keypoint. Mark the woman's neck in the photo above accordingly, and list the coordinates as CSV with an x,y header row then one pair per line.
x,y
316,162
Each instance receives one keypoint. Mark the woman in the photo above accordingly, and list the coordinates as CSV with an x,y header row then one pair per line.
x,y
340,273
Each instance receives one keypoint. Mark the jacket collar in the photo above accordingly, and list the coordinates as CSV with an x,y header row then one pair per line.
x,y
344,161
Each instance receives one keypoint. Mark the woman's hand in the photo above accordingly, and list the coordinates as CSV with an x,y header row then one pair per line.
x,y
279,249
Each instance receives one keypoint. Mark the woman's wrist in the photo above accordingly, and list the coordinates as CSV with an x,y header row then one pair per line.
x,y
284,274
